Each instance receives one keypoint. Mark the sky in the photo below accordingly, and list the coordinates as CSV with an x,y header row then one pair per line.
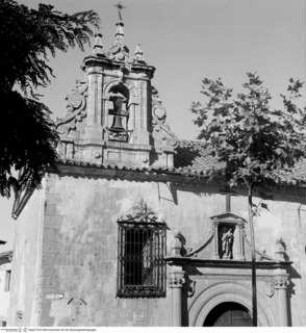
x,y
186,40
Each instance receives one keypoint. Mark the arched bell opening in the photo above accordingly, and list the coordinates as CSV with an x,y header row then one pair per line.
x,y
119,98
229,314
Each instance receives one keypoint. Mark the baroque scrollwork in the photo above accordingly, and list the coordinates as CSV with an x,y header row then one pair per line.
x,y
140,212
190,286
118,51
161,132
76,108
158,110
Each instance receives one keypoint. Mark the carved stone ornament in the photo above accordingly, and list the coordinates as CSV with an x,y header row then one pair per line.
x,y
190,286
119,51
280,249
76,108
98,46
281,282
140,212
158,110
176,281
177,246
269,288
138,55
161,132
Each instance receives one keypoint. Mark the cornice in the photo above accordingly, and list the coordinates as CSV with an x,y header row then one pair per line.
x,y
219,263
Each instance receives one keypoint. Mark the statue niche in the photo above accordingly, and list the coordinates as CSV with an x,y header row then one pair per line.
x,y
226,241
119,96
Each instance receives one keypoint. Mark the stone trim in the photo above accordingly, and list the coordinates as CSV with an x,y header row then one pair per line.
x,y
177,280
226,292
237,264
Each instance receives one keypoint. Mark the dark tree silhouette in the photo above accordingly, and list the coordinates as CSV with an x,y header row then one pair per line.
x,y
28,37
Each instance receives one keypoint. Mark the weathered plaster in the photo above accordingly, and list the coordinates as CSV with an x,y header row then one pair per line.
x,y
79,249
26,265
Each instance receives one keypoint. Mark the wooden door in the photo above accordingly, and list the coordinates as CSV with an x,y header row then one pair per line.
x,y
229,314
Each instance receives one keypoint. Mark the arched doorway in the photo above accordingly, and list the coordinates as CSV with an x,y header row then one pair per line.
x,y
229,314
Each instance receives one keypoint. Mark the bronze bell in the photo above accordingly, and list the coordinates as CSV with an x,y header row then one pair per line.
x,y
118,112
117,123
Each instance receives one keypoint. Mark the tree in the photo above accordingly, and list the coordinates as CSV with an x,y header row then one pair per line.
x,y
255,143
28,37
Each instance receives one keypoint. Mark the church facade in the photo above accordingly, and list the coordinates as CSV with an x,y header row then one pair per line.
x,y
129,230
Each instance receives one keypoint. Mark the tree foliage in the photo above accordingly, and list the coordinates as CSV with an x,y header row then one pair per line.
x,y
28,37
256,142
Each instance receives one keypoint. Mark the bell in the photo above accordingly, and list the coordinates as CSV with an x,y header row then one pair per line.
x,y
117,124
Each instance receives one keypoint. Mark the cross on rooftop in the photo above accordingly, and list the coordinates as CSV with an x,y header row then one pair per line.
x,y
119,7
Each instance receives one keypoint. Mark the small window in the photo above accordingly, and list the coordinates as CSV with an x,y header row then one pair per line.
x,y
3,323
7,280
141,264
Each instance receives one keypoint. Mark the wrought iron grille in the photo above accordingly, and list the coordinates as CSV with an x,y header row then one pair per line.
x,y
141,264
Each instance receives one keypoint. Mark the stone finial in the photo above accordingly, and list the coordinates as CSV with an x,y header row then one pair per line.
x,y
119,7
138,54
98,46
177,244
119,30
280,249
120,25
119,51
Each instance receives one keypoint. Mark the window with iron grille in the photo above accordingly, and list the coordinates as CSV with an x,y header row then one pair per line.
x,y
141,264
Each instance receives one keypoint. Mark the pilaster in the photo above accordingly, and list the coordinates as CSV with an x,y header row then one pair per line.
x,y
176,284
93,128
281,283
216,242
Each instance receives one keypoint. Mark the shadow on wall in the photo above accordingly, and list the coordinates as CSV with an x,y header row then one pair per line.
x,y
293,275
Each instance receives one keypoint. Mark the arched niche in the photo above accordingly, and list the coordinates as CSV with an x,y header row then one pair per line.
x,y
119,88
117,112
228,230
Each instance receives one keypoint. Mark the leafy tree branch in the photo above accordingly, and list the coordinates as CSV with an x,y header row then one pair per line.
x,y
28,38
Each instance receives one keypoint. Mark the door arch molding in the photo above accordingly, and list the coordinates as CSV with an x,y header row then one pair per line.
x,y
222,292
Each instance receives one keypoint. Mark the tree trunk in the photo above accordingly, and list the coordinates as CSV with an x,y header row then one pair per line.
x,y
254,292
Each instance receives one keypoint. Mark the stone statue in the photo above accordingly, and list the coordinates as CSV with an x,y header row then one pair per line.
x,y
227,240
